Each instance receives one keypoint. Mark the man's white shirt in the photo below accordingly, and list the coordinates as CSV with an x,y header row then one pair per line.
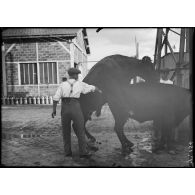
x,y
64,90
166,81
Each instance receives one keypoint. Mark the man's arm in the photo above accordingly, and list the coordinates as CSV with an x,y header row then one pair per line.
x,y
56,99
89,88
54,108
97,89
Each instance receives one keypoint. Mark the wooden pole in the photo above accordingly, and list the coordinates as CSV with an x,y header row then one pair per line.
x,y
4,70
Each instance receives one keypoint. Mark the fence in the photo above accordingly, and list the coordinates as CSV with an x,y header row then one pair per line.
x,y
11,100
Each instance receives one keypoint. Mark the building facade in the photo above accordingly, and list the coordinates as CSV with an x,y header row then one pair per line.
x,y
37,59
183,131
167,62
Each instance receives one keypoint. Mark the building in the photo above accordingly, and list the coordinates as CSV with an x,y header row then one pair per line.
x,y
37,59
183,131
167,62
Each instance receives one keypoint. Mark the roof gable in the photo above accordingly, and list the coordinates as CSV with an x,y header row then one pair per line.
x,y
9,33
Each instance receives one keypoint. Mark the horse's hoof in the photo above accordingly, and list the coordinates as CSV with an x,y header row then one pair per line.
x,y
127,151
157,151
92,147
172,152
129,145
92,139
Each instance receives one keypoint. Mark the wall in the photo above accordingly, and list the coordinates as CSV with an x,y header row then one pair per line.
x,y
28,52
183,131
80,56
41,51
168,62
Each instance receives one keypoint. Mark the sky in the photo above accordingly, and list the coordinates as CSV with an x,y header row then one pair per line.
x,y
110,41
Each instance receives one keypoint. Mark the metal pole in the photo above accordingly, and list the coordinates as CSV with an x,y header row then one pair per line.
x,y
187,40
4,70
181,57
166,38
159,48
191,33
156,43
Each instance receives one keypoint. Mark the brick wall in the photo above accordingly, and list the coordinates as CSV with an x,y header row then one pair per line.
x,y
12,73
76,55
62,69
23,89
47,51
79,40
21,52
46,90
52,51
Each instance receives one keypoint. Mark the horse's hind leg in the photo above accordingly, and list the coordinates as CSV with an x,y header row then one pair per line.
x,y
157,139
89,136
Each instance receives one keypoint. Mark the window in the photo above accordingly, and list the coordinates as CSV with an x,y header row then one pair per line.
x,y
48,72
28,73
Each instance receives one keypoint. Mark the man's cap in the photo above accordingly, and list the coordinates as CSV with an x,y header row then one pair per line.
x,y
73,71
146,59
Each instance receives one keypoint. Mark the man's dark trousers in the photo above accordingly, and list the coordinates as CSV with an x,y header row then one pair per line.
x,y
71,111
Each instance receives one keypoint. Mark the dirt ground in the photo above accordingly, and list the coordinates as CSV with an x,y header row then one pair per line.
x,y
30,137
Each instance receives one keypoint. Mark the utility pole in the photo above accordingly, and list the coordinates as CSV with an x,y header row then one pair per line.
x,y
3,70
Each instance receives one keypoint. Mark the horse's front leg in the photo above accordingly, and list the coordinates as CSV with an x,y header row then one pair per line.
x,y
126,144
120,115
91,144
89,136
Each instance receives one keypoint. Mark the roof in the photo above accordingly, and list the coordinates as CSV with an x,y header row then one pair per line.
x,y
9,33
175,53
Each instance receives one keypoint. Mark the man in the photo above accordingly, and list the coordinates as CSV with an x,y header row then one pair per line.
x,y
69,91
164,77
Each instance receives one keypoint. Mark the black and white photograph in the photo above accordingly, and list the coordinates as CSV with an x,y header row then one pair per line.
x,y
96,97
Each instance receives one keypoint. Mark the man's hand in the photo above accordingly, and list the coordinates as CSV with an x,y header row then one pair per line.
x,y
97,89
53,114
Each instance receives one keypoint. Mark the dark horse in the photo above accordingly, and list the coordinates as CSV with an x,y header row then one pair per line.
x,y
109,75
147,101
166,105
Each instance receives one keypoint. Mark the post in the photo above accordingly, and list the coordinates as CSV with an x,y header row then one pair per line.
x,y
72,55
156,43
166,38
191,33
187,40
38,70
4,70
181,57
159,47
